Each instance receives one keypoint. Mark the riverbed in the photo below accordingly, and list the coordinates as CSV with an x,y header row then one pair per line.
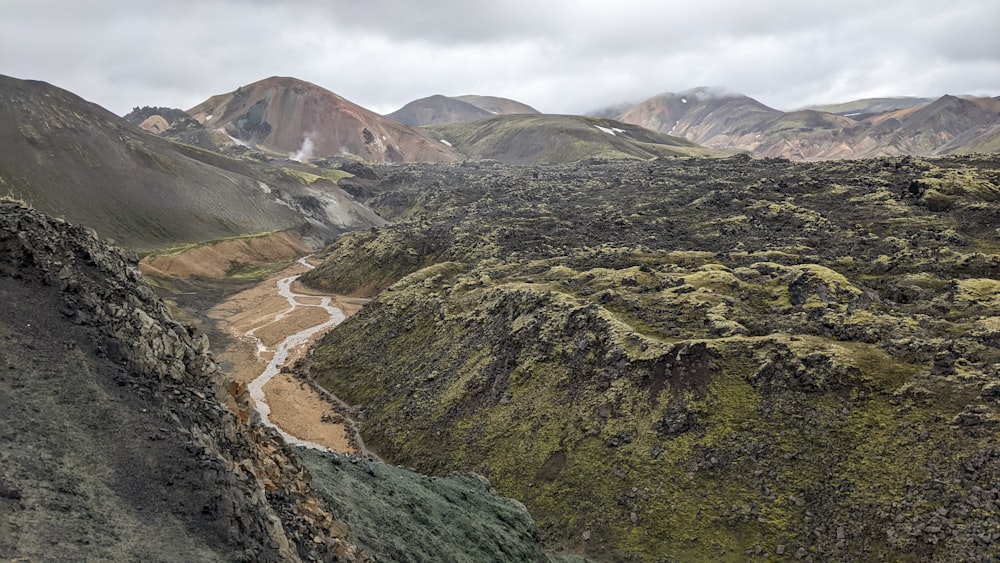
x,y
271,326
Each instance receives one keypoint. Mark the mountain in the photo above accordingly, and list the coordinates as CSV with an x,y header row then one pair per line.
x,y
871,105
438,109
304,121
551,139
941,126
987,140
690,359
73,159
496,105
703,115
865,128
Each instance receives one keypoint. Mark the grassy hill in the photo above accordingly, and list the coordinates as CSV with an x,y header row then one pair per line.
x,y
559,139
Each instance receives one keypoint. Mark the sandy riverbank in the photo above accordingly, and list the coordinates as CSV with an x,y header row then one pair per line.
x,y
262,312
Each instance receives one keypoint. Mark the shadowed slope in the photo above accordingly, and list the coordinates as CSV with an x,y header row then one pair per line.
x,y
73,159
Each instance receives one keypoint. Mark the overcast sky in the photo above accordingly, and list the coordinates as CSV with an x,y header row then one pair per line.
x,y
559,56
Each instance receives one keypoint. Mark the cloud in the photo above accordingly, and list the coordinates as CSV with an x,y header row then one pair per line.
x,y
560,56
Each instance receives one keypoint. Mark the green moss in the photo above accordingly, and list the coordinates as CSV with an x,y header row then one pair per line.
x,y
600,351
257,272
333,175
179,249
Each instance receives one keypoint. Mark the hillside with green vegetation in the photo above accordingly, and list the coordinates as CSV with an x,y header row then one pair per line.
x,y
560,139
690,359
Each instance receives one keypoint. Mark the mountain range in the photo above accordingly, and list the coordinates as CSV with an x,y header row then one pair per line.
x,y
289,117
865,128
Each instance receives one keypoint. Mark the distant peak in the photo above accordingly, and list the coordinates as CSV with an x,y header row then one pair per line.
x,y
702,92
282,82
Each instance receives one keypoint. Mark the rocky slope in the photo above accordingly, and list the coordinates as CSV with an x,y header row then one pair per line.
x,y
176,124
120,439
560,139
73,159
691,359
293,117
866,128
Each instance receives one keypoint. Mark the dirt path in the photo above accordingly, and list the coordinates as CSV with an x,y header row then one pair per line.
x,y
272,325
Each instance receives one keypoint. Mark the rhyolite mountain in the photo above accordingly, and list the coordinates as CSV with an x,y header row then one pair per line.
x,y
73,159
560,139
293,117
690,359
720,119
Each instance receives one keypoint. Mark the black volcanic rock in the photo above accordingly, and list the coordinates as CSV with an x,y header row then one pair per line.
x,y
727,358
172,123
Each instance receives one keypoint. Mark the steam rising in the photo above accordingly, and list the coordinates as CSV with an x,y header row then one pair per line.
x,y
305,152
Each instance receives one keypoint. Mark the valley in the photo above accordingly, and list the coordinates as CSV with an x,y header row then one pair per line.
x,y
731,356
270,327
696,328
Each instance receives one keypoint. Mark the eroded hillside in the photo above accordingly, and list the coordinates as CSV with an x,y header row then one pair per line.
x,y
691,359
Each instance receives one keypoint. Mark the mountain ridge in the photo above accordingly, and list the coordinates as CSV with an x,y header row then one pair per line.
x,y
860,129
560,139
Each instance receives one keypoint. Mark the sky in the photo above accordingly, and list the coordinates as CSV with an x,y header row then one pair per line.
x,y
570,56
